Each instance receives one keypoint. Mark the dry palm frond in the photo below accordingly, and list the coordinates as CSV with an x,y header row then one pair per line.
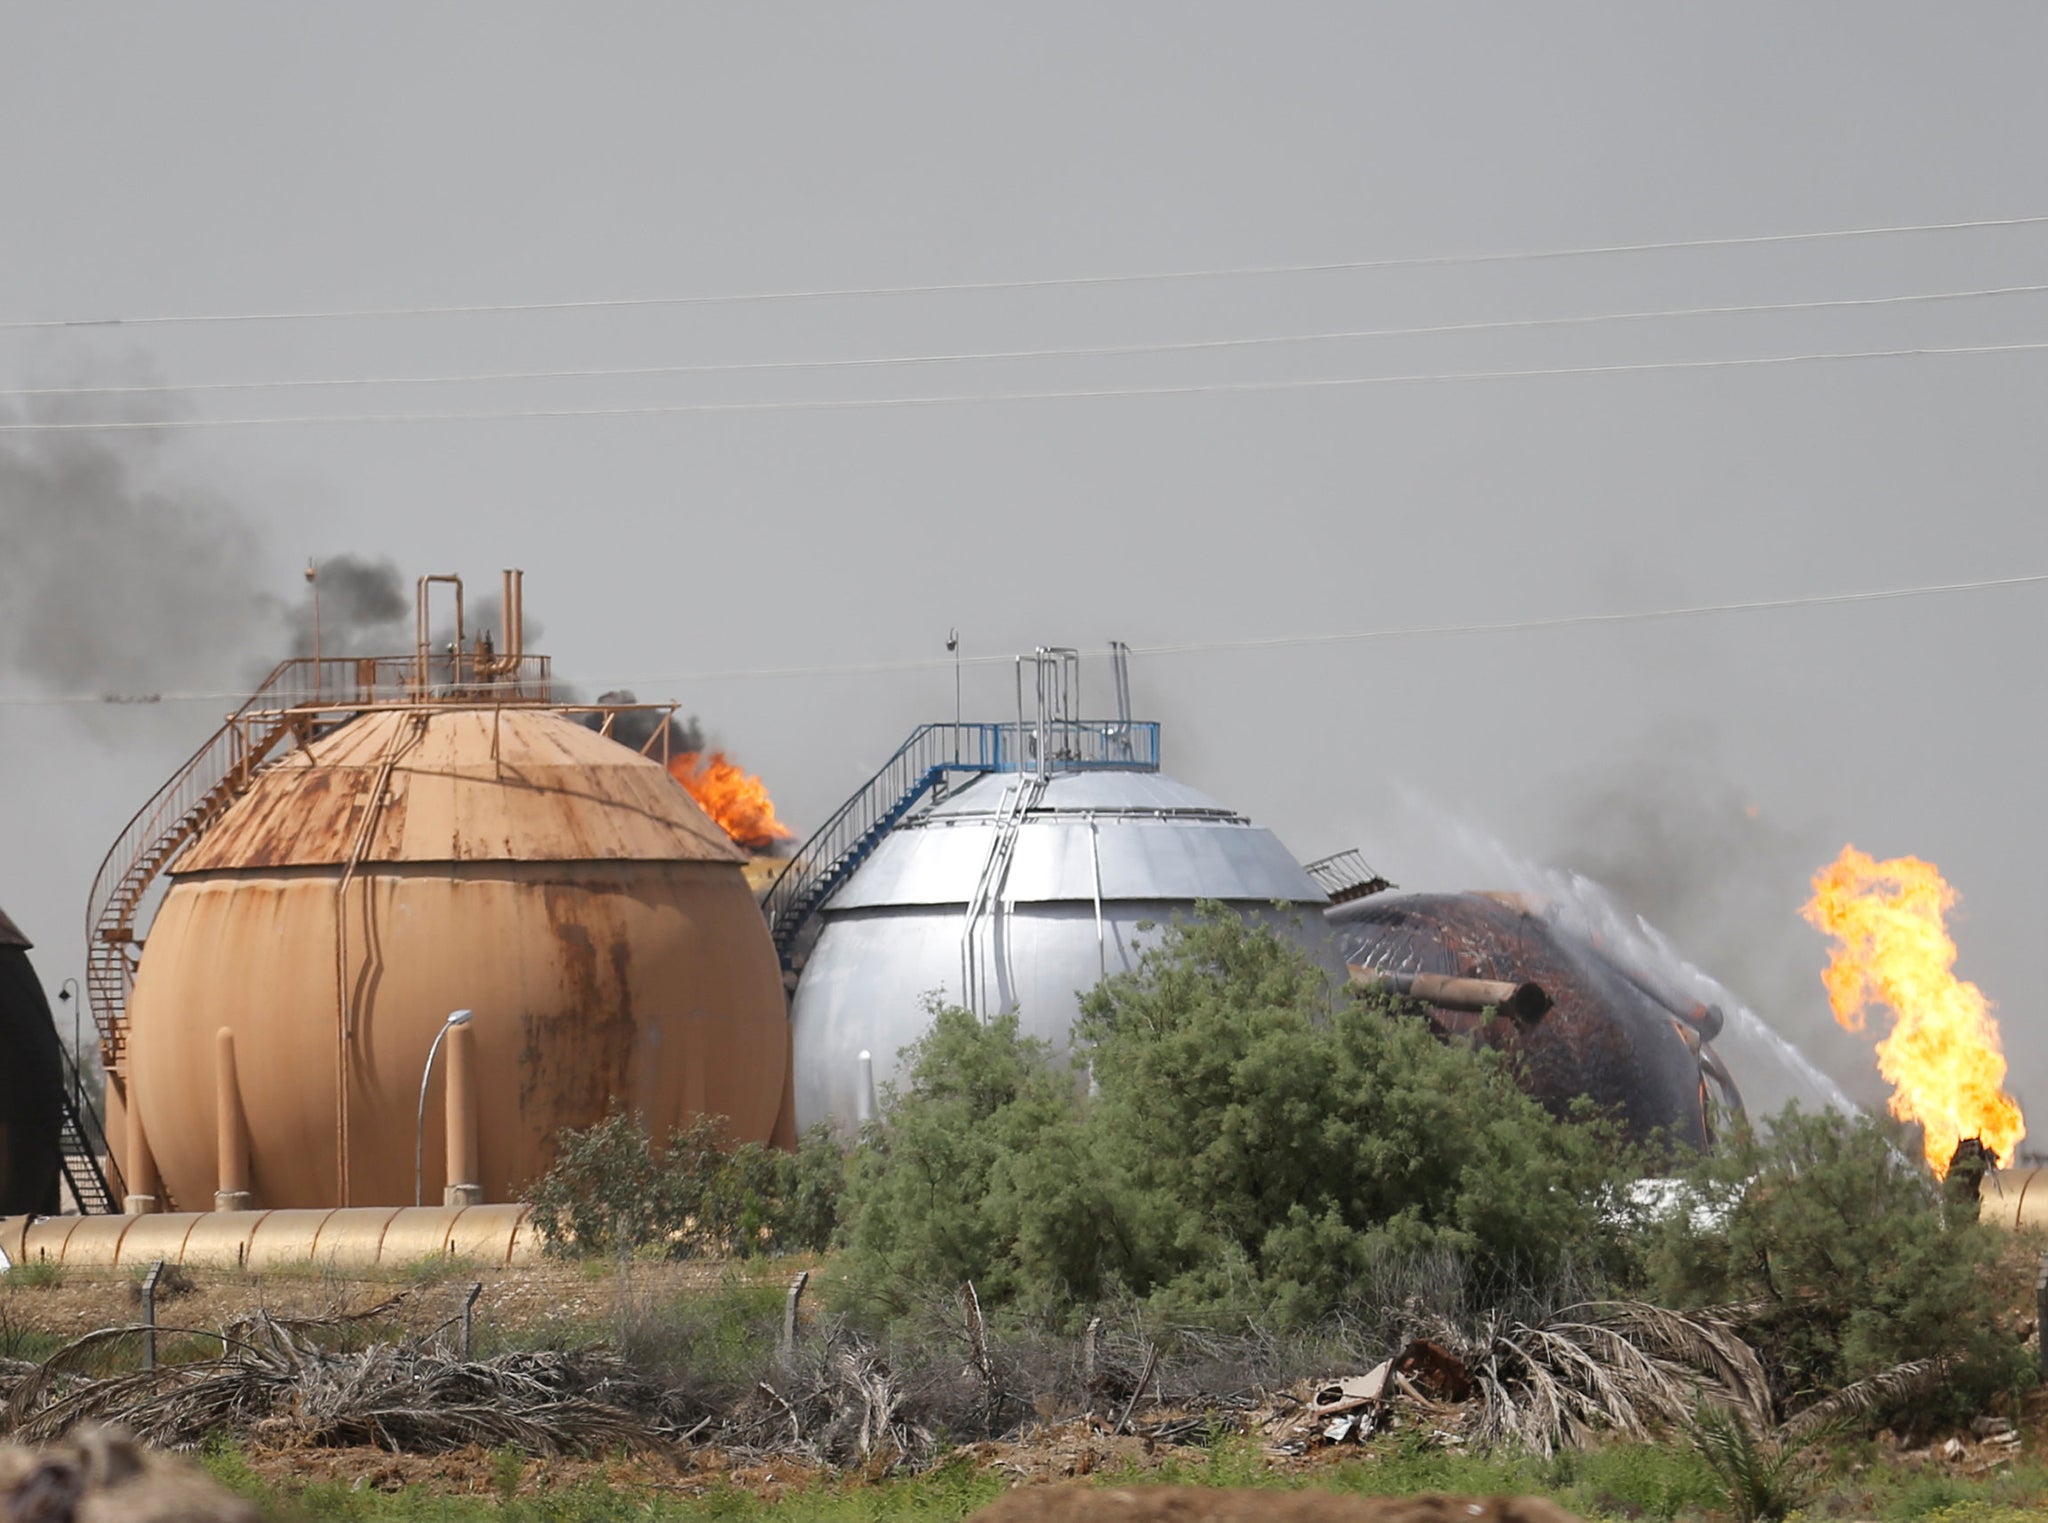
x,y
400,1396
1889,1388
1609,1367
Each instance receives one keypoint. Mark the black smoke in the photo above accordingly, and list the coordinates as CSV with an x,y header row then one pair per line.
x,y
641,728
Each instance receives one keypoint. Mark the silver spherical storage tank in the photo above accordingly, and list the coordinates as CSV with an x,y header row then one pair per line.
x,y
1095,861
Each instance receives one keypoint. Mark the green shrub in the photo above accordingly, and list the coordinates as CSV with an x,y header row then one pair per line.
x,y
34,1274
610,1191
1257,1144
1845,1262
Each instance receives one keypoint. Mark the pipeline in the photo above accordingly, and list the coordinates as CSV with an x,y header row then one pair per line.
x,y
1525,1003
348,1237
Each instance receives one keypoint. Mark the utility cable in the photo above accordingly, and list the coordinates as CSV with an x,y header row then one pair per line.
x,y
1205,647
1084,352
1421,261
849,404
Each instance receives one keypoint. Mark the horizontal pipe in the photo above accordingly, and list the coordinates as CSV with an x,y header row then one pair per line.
x,y
1526,1003
348,1237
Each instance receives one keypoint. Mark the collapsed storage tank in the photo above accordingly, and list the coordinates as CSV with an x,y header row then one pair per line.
x,y
437,835
1019,891
1611,1033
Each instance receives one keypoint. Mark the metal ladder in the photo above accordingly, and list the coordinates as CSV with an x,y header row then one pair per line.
x,y
1018,801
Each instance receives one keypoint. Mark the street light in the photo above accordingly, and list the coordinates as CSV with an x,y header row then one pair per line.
x,y
419,1136
67,994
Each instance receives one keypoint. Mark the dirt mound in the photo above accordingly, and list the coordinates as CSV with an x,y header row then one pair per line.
x,y
1197,1504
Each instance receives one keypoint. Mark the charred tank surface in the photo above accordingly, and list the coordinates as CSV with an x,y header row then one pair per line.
x,y
31,1083
1610,1035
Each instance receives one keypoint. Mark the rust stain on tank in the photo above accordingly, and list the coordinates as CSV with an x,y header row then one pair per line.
x,y
522,866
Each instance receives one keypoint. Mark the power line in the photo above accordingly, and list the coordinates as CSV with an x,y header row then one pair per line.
x,y
846,404
1422,261
1082,352
1206,647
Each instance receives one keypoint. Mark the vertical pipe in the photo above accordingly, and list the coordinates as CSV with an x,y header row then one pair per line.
x,y
231,1129
864,1089
139,1166
463,1186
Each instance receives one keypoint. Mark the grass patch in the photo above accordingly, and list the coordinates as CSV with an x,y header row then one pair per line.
x,y
1618,1483
36,1274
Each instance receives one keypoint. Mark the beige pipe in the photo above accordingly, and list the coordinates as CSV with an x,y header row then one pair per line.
x,y
139,1165
231,1129
484,1236
1525,1002
463,1186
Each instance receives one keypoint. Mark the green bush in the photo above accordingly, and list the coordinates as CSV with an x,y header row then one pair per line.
x,y
1843,1262
1256,1144
610,1191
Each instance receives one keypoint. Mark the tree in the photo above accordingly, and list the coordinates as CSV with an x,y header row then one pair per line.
x,y
1844,1258
1257,1139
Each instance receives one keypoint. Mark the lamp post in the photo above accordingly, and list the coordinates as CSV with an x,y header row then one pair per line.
x,y
419,1136
67,994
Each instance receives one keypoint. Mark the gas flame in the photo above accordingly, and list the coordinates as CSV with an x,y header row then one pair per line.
x,y
735,798
1943,1057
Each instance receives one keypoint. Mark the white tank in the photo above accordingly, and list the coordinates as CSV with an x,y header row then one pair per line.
x,y
1020,893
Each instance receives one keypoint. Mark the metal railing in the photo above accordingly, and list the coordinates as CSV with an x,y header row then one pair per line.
x,y
1078,745
299,697
1346,875
857,827
83,1143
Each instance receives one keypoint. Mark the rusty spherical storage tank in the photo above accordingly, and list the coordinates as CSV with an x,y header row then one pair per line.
x,y
412,862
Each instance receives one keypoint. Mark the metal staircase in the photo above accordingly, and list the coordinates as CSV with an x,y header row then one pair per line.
x,y
857,827
82,1144
181,811
932,753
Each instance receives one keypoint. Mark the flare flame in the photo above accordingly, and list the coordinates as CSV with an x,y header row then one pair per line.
x,y
732,796
1943,1057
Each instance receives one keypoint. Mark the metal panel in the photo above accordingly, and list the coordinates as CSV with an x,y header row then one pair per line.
x,y
650,982
420,1233
494,1234
869,978
464,785
161,1236
222,1237
1081,792
1155,839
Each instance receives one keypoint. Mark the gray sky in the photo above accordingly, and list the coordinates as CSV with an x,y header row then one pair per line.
x,y
218,158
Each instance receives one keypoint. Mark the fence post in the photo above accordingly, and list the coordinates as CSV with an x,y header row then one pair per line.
x,y
796,1294
1088,1358
149,1314
2041,1313
469,1314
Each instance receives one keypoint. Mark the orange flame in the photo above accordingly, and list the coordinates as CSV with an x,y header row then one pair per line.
x,y
1943,1057
735,798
